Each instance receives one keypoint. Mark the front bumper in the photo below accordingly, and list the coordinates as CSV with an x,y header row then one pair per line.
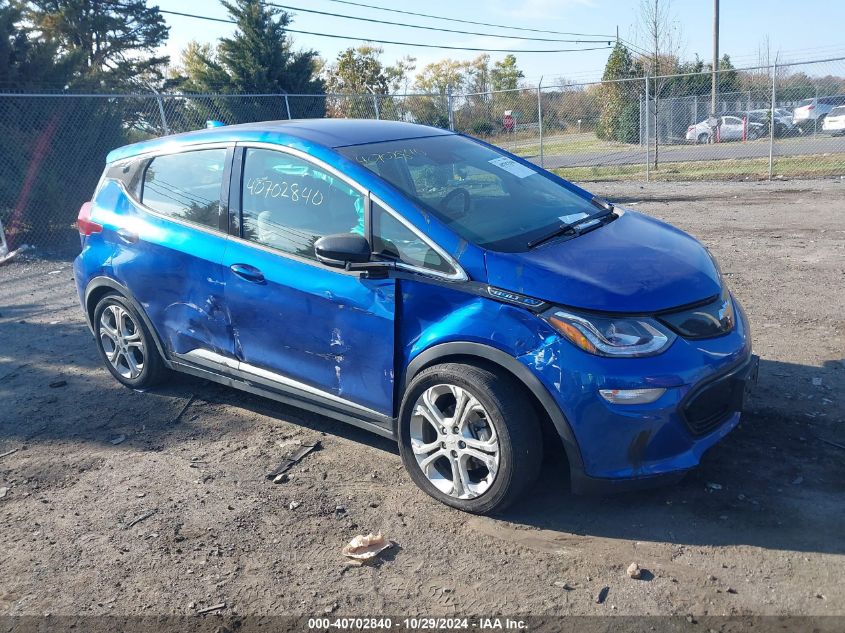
x,y
634,446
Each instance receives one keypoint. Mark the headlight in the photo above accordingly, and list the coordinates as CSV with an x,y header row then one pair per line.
x,y
612,336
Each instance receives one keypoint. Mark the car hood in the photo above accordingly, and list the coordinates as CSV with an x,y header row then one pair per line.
x,y
632,264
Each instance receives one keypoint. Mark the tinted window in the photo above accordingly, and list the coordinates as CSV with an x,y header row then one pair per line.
x,y
186,185
837,111
130,173
832,100
482,194
392,239
288,203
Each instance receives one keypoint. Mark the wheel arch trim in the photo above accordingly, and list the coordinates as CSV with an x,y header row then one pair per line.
x,y
443,351
102,282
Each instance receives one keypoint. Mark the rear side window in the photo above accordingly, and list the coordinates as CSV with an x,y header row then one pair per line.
x,y
289,203
837,111
186,186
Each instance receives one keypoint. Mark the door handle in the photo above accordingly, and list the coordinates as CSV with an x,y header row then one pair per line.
x,y
247,272
130,237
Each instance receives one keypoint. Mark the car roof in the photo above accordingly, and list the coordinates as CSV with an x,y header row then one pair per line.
x,y
331,133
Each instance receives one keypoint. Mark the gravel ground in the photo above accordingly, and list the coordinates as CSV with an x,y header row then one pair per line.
x,y
92,460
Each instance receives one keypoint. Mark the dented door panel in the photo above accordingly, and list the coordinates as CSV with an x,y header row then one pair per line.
x,y
319,326
175,273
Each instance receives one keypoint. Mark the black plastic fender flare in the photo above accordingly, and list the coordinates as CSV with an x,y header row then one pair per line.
x,y
107,282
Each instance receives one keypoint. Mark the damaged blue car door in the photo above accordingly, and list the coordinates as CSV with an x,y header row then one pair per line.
x,y
169,232
299,325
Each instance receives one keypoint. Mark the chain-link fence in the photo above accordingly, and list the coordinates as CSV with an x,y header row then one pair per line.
x,y
770,121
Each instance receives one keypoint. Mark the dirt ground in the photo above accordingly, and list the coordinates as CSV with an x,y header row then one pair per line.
x,y
759,528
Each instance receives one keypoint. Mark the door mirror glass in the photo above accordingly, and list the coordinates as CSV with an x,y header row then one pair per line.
x,y
340,249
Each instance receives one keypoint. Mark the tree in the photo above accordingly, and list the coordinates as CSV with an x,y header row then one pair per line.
x,y
111,43
258,58
438,77
505,75
55,148
660,36
620,100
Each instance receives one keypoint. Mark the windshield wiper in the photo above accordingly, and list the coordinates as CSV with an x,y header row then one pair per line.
x,y
572,227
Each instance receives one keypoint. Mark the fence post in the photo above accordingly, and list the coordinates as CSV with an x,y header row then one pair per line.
x,y
449,108
160,102
647,126
287,105
375,102
772,119
540,118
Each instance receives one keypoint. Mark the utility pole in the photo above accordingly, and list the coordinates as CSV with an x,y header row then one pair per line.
x,y
714,90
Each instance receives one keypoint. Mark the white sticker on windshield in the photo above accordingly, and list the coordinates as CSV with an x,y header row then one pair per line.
x,y
572,217
513,167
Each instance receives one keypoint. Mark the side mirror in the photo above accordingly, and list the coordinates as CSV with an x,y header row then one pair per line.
x,y
341,249
352,252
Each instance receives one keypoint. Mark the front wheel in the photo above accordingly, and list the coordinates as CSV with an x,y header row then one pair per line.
x,y
469,437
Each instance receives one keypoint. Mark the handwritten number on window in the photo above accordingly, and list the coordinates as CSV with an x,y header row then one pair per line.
x,y
266,188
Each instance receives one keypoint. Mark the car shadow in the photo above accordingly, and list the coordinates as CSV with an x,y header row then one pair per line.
x,y
775,482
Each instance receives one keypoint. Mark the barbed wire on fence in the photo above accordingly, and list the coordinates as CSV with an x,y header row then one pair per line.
x,y
778,120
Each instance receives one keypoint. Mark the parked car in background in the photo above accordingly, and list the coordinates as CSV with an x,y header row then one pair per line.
x,y
834,122
731,128
375,272
783,120
810,114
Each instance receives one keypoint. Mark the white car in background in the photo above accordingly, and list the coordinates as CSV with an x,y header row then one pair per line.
x,y
834,122
730,129
809,115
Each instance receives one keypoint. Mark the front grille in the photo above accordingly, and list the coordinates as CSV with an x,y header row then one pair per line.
x,y
710,405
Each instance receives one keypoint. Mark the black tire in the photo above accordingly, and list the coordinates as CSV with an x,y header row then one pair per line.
x,y
703,138
152,370
511,413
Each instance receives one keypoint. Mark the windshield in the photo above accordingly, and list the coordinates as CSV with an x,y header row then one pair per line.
x,y
482,194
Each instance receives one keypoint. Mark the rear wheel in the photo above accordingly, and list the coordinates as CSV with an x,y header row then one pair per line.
x,y
703,138
469,437
125,344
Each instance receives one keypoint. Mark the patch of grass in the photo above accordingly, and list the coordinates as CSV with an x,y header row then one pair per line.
x,y
809,166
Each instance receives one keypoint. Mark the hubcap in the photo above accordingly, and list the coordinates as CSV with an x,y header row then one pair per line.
x,y
121,341
454,441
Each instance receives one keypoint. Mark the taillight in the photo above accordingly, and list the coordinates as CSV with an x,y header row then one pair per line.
x,y
690,128
811,107
84,224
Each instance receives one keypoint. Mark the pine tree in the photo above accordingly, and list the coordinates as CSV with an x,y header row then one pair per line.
x,y
258,58
112,44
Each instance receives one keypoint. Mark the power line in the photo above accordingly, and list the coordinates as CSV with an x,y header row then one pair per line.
x,y
367,39
436,28
440,17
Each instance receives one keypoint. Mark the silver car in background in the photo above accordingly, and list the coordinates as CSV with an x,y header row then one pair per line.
x,y
834,122
809,115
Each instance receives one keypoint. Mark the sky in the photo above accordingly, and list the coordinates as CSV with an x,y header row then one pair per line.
x,y
744,27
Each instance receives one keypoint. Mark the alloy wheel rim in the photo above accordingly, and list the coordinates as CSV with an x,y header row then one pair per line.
x,y
120,338
454,441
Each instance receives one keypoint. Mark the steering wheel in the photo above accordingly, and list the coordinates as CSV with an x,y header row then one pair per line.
x,y
447,199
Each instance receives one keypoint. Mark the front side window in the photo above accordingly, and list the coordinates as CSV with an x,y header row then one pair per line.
x,y
483,195
186,186
288,203
393,240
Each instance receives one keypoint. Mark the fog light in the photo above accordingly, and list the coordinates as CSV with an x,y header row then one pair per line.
x,y
631,396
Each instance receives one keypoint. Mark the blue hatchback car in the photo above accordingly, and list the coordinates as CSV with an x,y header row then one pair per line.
x,y
423,285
